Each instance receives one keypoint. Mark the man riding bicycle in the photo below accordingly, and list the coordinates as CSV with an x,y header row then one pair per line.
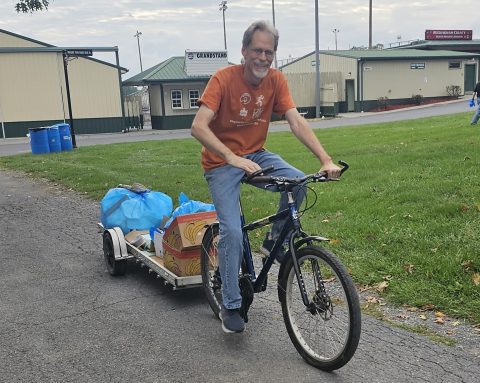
x,y
232,124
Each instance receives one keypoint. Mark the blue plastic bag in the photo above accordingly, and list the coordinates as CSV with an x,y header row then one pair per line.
x,y
471,103
134,210
187,206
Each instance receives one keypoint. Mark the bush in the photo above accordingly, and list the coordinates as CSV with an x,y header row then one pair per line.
x,y
383,102
454,90
417,99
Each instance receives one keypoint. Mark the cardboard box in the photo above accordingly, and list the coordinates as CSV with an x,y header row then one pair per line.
x,y
182,240
183,263
186,231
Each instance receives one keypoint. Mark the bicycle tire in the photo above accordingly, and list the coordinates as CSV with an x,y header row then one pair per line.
x,y
327,334
211,282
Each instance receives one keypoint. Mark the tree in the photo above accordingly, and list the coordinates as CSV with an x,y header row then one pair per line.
x,y
26,6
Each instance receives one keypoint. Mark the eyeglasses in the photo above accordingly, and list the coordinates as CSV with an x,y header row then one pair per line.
x,y
259,51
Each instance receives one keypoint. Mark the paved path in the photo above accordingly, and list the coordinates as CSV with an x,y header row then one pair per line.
x,y
63,318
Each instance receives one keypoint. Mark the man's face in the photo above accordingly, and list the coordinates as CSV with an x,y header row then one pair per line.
x,y
258,55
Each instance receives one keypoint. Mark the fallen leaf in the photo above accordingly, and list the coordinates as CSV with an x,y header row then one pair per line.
x,y
476,279
372,300
325,220
412,309
409,268
434,250
439,321
334,242
387,278
363,288
423,317
439,314
467,265
381,286
456,323
428,306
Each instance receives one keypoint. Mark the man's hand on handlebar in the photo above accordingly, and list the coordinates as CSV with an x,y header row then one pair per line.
x,y
331,170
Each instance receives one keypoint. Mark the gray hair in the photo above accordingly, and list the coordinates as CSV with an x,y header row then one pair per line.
x,y
263,26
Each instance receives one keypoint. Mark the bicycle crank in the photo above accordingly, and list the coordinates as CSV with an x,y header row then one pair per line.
x,y
246,291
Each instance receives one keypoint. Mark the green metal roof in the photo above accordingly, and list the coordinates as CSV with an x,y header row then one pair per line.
x,y
169,70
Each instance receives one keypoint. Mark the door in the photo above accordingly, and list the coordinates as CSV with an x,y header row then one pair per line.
x,y
350,95
470,71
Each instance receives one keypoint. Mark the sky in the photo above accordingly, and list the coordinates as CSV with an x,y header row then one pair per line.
x,y
169,27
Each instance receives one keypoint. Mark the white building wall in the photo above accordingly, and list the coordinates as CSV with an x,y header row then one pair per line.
x,y
30,87
94,89
396,79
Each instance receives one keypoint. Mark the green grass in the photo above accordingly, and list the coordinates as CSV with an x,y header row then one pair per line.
x,y
408,210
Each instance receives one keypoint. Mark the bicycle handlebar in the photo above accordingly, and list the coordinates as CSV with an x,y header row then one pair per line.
x,y
259,177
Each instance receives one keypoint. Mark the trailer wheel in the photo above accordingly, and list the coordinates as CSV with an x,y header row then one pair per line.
x,y
114,267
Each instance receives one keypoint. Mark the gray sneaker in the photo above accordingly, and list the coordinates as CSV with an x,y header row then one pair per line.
x,y
232,321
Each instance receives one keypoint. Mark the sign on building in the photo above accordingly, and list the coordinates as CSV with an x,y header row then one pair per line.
x,y
204,63
448,34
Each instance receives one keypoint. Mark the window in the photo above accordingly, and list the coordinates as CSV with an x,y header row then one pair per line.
x,y
193,96
176,96
454,65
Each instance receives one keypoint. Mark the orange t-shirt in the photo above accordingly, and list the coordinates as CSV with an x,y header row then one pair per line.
x,y
243,111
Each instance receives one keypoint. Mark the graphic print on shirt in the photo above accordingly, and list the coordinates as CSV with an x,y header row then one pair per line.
x,y
245,99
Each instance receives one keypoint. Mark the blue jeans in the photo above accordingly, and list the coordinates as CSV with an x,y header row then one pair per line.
x,y
476,116
224,185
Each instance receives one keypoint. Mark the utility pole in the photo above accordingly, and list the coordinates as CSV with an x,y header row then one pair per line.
x,y
336,31
273,18
137,35
370,26
317,64
223,8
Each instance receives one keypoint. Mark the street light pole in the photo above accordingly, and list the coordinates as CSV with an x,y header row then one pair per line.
x,y
317,64
273,18
137,35
336,31
370,25
223,8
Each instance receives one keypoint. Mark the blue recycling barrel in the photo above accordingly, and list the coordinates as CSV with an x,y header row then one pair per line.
x,y
39,140
65,136
54,143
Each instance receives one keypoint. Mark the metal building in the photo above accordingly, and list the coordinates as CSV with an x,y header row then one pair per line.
x,y
356,80
176,84
34,91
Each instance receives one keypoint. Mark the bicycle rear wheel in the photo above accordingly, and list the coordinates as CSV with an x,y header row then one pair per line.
x,y
212,284
327,332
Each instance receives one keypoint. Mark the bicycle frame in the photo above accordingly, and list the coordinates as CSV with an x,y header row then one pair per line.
x,y
291,229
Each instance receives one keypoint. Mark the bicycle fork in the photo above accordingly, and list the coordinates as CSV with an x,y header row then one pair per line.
x,y
297,232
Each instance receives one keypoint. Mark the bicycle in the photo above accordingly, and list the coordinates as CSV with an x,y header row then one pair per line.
x,y
320,305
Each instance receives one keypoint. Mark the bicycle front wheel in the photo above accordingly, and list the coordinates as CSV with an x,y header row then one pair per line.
x,y
326,332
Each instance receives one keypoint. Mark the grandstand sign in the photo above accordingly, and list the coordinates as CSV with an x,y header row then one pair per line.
x,y
448,34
